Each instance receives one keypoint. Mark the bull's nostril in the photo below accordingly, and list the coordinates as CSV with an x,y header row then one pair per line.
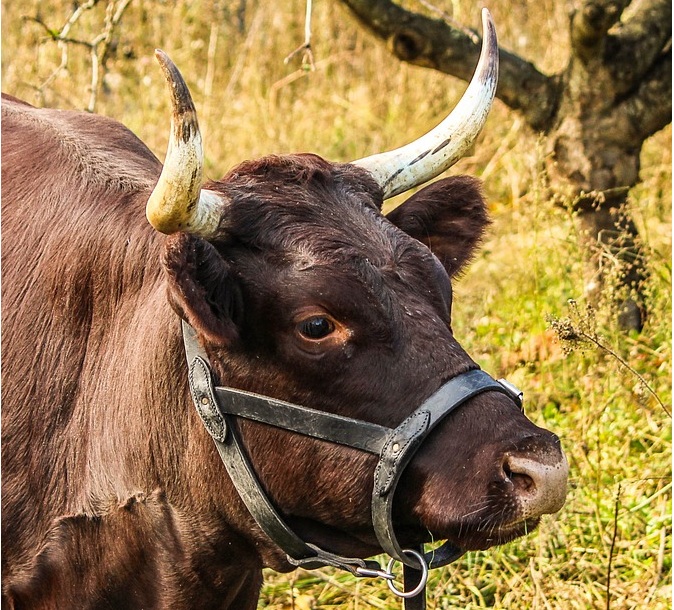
x,y
521,481
507,472
539,481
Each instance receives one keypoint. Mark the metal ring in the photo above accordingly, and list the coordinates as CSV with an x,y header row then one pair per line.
x,y
422,583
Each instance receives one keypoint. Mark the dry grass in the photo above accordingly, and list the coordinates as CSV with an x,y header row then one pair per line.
x,y
616,526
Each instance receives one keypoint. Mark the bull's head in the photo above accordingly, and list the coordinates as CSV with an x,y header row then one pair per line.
x,y
299,288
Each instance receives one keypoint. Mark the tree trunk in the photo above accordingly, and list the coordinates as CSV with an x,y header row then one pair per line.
x,y
613,94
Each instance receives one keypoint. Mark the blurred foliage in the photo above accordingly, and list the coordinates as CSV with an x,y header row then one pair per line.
x,y
360,100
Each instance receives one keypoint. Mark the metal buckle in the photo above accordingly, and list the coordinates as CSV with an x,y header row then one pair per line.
x,y
514,391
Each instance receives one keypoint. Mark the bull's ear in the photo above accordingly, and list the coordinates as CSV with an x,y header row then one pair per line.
x,y
201,288
449,216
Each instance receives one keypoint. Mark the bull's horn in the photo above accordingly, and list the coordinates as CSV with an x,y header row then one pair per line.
x,y
404,168
178,203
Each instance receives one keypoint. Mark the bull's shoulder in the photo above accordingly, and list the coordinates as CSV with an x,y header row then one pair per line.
x,y
139,554
74,147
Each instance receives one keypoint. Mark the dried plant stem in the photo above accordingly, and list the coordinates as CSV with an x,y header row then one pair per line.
x,y
613,541
582,331
99,55
210,70
622,361
98,46
308,56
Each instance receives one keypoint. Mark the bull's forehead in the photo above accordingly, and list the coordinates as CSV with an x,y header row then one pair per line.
x,y
304,204
360,240
339,236
303,212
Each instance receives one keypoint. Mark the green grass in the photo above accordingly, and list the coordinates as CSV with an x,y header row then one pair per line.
x,y
617,519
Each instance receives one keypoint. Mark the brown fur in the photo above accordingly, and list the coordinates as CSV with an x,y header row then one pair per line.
x,y
112,492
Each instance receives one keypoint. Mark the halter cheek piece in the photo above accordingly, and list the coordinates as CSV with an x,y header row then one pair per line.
x,y
394,446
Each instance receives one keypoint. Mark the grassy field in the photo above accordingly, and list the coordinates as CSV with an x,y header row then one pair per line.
x,y
605,393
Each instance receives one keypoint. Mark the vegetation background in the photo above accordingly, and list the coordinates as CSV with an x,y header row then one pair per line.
x,y
519,310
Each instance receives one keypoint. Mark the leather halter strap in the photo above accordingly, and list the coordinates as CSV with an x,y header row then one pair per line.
x,y
394,446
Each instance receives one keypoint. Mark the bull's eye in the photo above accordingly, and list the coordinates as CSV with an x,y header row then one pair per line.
x,y
317,327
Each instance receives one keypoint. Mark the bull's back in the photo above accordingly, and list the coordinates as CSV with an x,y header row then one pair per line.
x,y
75,245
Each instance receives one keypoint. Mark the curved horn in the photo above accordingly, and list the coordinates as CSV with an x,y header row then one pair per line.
x,y
177,202
404,168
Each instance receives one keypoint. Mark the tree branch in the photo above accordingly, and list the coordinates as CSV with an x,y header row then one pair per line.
x,y
433,43
589,25
640,41
650,108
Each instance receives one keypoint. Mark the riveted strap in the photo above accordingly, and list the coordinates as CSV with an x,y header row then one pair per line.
x,y
201,389
298,552
405,440
243,475
355,433
398,449
238,465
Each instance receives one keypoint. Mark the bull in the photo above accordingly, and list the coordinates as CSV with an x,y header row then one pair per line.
x,y
311,332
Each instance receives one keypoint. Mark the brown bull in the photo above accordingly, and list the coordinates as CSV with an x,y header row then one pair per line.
x,y
298,288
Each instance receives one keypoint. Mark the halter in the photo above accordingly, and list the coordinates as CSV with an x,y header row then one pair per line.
x,y
394,446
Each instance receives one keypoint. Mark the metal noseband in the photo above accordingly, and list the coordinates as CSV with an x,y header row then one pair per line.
x,y
394,446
